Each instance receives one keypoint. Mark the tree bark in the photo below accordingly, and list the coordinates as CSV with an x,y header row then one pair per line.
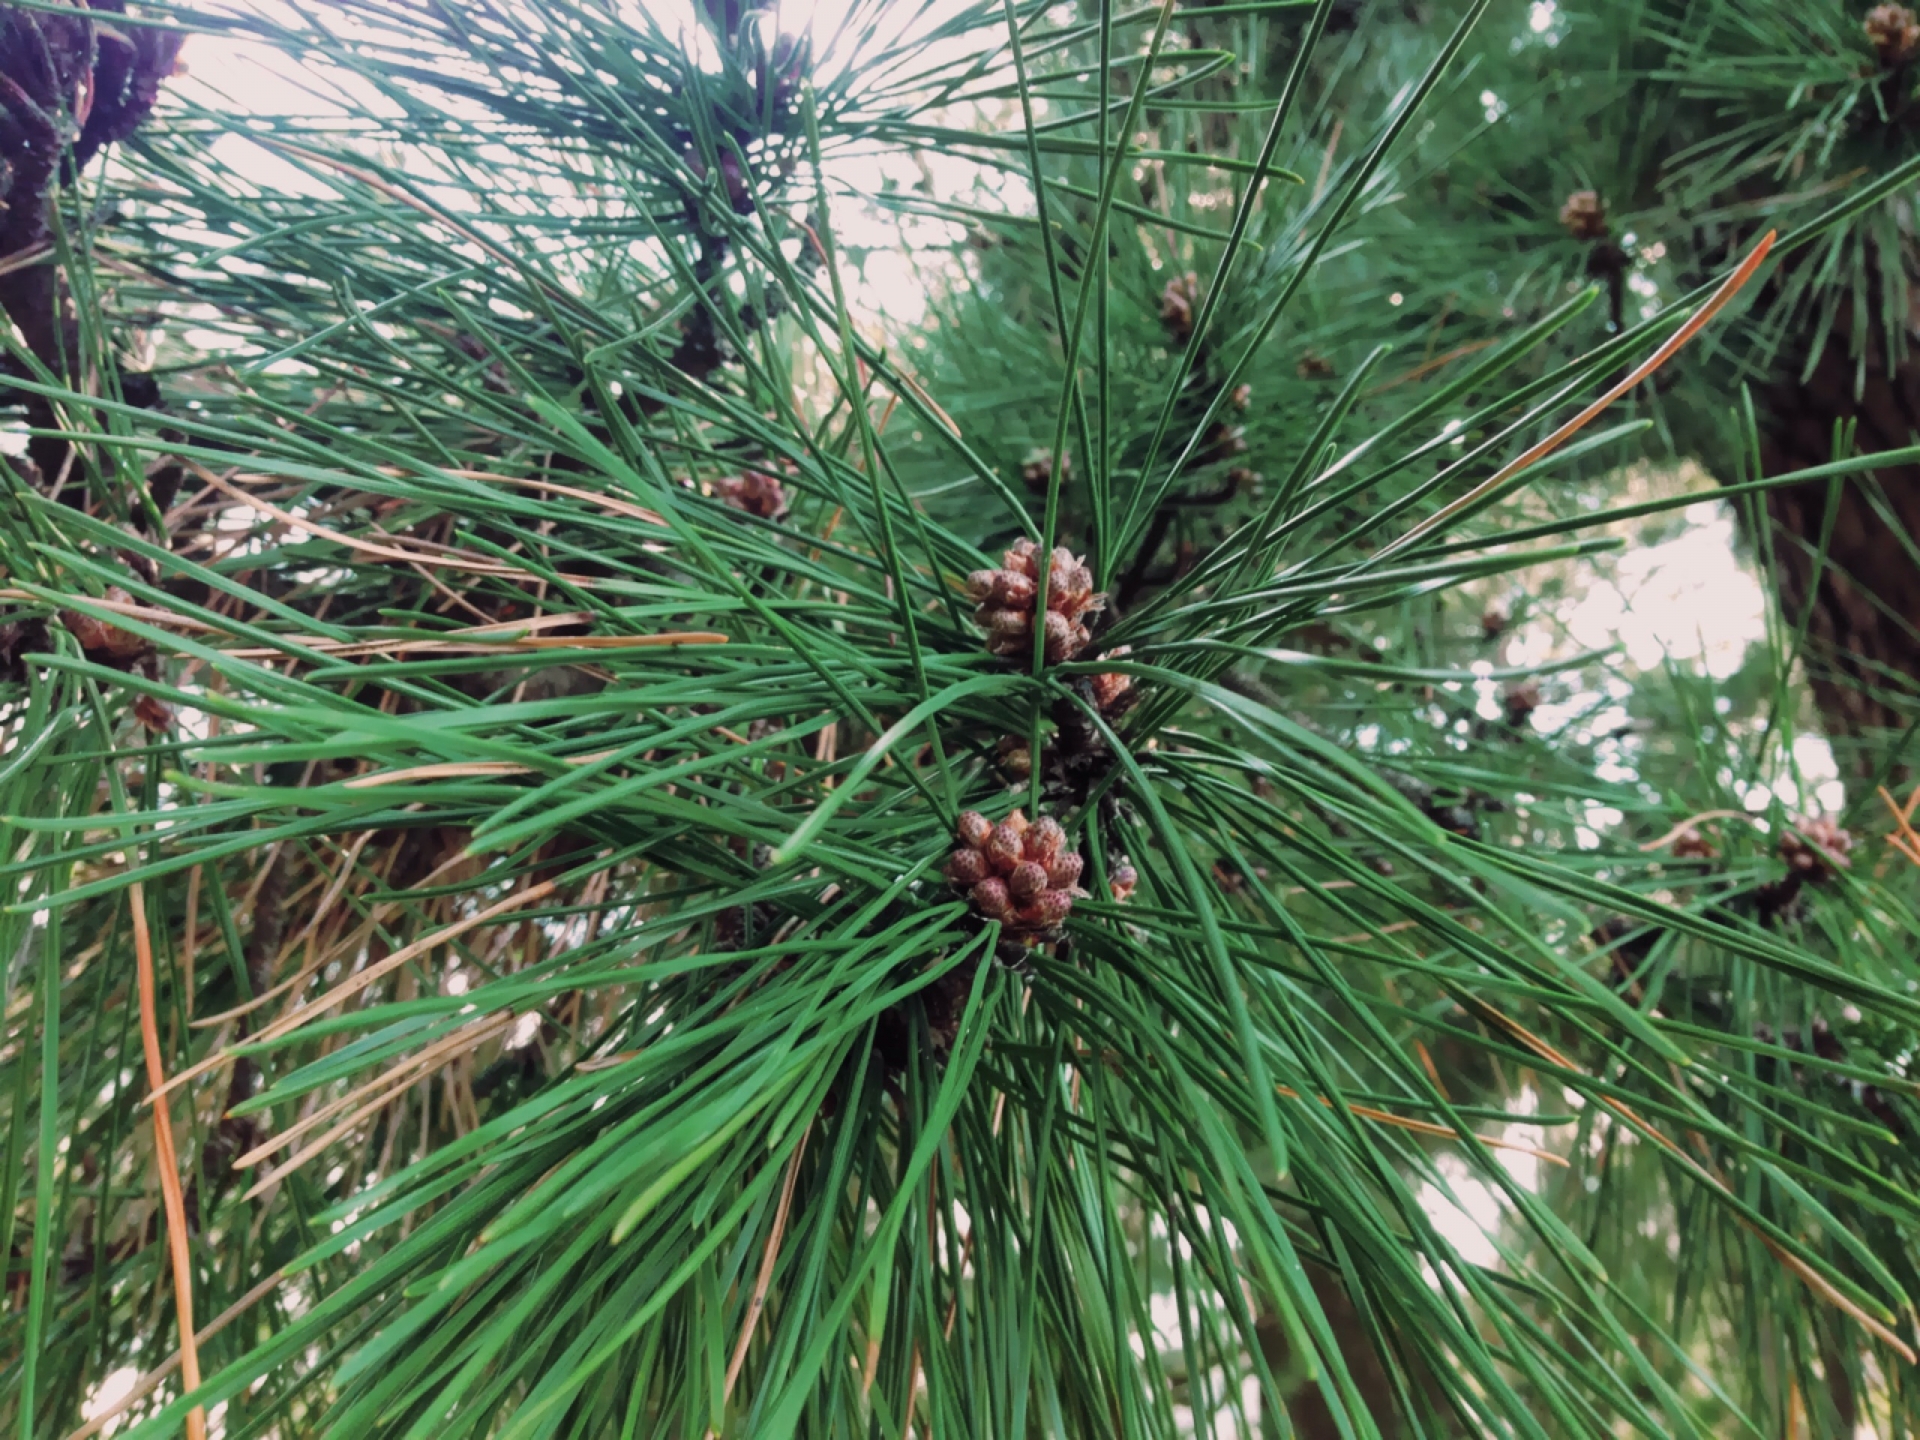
x,y
1862,618
1307,1409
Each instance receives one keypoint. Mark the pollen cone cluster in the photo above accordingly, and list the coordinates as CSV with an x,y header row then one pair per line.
x,y
1006,598
1017,872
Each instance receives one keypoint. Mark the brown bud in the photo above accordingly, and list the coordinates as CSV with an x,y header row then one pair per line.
x,y
1178,302
91,633
1037,469
98,638
974,829
1044,840
1004,848
1493,622
1692,845
1819,849
1520,701
1015,757
1110,689
1584,215
1017,818
980,584
153,713
991,900
755,492
1314,367
1242,396
1121,881
1895,33
1027,881
1064,872
1226,441
966,867
1022,556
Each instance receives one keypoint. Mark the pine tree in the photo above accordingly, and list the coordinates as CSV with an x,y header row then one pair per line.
x,y
601,846
1642,146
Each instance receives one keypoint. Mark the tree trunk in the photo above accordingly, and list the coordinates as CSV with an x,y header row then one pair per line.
x,y
1307,1408
1862,652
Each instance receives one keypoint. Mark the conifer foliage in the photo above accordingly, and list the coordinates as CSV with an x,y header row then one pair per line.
x,y
598,844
